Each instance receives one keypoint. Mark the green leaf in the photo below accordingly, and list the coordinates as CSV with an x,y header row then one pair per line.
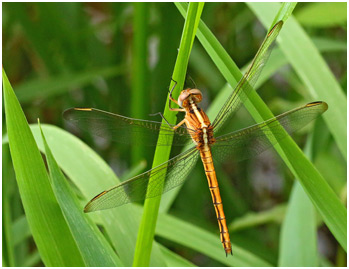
x,y
50,231
251,219
298,232
151,206
94,249
140,91
323,14
333,169
298,240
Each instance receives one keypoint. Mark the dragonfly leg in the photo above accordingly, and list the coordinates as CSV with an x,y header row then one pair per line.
x,y
179,124
162,116
171,126
171,98
174,84
177,109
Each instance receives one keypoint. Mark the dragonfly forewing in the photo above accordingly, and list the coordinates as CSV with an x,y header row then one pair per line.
x,y
247,82
147,185
123,129
251,141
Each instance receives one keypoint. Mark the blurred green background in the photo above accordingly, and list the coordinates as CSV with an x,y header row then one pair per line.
x,y
62,55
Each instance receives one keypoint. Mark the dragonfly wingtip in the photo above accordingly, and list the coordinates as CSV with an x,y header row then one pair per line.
x,y
317,103
325,106
87,208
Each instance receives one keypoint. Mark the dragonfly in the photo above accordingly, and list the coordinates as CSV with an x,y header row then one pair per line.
x,y
195,127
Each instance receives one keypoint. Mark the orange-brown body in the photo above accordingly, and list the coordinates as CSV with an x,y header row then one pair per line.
x,y
201,131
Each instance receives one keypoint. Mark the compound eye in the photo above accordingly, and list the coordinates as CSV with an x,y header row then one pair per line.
x,y
196,95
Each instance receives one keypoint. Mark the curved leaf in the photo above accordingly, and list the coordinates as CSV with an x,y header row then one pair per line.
x,y
94,249
49,228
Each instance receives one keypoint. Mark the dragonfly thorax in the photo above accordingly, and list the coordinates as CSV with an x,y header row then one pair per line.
x,y
189,96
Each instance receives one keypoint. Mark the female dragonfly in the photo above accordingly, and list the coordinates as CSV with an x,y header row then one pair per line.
x,y
239,145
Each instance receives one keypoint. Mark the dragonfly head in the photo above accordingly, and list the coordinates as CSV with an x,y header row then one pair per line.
x,y
187,95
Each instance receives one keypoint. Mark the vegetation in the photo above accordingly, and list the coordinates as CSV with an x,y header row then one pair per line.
x,y
120,57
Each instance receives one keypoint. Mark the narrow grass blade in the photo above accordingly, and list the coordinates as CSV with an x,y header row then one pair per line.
x,y
94,249
298,239
151,206
140,91
50,231
298,232
252,219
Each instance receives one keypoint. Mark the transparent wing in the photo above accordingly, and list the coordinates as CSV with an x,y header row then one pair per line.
x,y
175,172
246,83
253,140
123,129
